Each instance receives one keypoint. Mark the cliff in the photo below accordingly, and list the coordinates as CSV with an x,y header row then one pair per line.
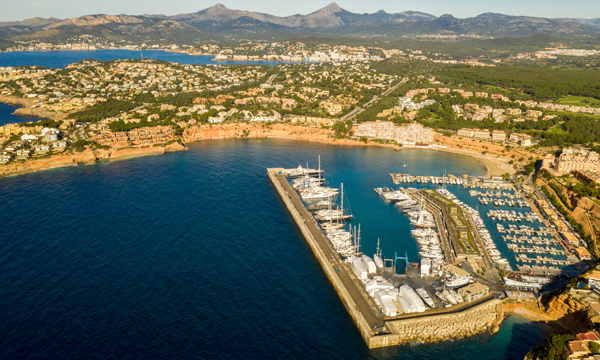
x,y
560,311
28,109
89,156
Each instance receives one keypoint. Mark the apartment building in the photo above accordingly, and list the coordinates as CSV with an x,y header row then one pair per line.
x,y
520,139
388,131
573,159
499,135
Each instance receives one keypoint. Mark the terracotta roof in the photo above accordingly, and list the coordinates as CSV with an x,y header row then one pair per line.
x,y
576,346
590,336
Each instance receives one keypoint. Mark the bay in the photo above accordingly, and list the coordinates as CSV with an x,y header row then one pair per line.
x,y
7,115
60,59
193,255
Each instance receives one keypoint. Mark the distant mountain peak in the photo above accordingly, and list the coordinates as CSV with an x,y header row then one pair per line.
x,y
333,8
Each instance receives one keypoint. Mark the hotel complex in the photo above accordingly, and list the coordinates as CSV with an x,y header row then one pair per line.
x,y
572,159
386,130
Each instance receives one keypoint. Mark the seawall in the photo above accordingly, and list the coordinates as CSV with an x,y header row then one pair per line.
x,y
325,263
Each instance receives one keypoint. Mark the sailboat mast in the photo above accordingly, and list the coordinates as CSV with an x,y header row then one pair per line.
x,y
342,202
319,169
359,238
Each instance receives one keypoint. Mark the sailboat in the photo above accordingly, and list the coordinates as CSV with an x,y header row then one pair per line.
x,y
331,215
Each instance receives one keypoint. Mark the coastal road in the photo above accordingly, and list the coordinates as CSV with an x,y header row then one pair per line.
x,y
356,291
359,109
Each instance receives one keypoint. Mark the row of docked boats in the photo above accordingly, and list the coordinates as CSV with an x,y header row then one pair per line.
x,y
503,202
513,216
449,297
400,178
480,227
321,201
490,194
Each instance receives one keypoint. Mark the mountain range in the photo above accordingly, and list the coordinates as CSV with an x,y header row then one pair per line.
x,y
218,23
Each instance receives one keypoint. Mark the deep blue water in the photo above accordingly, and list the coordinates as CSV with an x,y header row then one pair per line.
x,y
60,59
193,255
7,115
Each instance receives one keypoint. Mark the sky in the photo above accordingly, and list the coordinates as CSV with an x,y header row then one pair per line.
x,y
12,10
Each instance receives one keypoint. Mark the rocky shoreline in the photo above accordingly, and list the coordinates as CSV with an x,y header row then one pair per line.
x,y
222,131
87,157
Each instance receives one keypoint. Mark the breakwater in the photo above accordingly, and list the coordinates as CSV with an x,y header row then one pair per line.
x,y
435,328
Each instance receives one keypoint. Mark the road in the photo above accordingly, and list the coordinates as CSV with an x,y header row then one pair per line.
x,y
271,78
345,274
359,109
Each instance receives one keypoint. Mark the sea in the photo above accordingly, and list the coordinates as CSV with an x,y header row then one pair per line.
x,y
192,255
60,59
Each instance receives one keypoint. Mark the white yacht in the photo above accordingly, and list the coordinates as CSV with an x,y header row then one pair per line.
x,y
425,296
456,281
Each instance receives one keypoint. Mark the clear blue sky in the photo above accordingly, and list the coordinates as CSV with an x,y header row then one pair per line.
x,y
22,9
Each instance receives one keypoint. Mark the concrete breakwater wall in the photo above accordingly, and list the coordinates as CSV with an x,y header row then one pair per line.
x,y
477,320
347,300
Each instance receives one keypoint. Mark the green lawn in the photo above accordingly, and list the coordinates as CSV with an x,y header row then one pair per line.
x,y
579,101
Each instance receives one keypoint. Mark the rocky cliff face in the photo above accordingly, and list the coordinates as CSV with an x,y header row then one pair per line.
x,y
569,314
89,156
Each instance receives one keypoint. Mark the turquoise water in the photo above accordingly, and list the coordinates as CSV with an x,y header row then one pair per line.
x,y
60,59
193,255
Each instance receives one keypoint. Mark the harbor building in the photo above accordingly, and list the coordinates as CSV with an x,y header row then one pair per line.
x,y
473,291
583,254
455,271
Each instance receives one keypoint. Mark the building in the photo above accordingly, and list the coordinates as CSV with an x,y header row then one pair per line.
x,y
587,176
549,214
548,161
576,349
414,132
473,291
455,270
520,139
570,238
594,279
464,132
583,254
386,130
572,159
482,134
499,135
559,225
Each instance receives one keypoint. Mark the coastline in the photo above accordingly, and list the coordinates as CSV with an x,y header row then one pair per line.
x,y
492,166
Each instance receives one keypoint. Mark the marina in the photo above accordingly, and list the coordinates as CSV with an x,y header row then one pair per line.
x,y
378,291
478,247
